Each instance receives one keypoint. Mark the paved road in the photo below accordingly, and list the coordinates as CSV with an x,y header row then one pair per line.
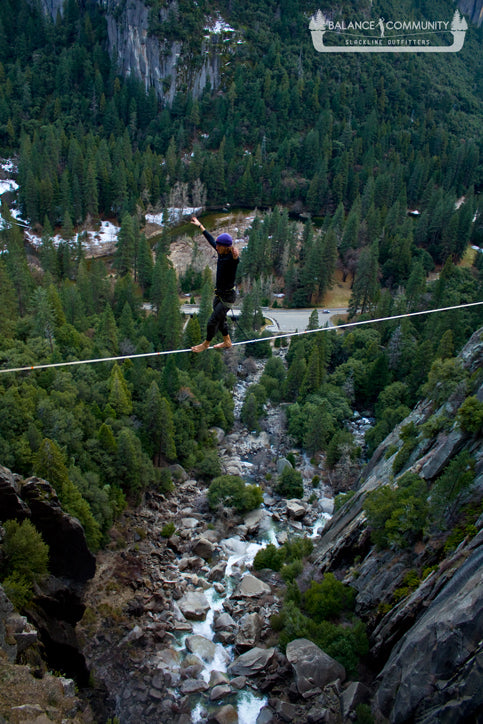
x,y
284,320
292,320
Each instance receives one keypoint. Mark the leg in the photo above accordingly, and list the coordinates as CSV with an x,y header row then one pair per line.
x,y
214,323
226,344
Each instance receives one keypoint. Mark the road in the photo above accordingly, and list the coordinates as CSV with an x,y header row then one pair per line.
x,y
284,320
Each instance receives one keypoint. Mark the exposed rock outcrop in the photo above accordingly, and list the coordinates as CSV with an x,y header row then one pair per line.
x,y
57,605
443,682
155,62
427,640
474,10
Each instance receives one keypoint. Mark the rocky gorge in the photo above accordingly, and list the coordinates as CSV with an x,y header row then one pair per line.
x,y
175,625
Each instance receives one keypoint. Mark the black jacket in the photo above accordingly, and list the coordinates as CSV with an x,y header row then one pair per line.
x,y
225,269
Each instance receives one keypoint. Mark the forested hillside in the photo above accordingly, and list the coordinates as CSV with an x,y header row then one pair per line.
x,y
354,144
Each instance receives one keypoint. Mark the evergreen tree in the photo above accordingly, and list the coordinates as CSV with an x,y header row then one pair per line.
x,y
107,333
119,395
365,290
125,246
8,303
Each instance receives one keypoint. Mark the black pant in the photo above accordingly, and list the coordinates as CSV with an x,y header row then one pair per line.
x,y
217,321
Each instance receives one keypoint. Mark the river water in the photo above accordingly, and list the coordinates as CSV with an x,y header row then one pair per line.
x,y
239,553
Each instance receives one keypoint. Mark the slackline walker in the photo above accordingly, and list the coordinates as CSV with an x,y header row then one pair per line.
x,y
29,368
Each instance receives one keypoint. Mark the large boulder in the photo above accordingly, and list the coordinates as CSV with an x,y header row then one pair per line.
x,y
252,587
201,647
251,662
313,668
296,509
248,634
203,548
194,605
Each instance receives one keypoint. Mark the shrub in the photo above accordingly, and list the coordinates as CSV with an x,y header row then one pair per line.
x,y
290,571
342,498
269,557
344,643
168,529
208,466
397,516
290,552
298,548
470,415
451,488
164,480
230,490
409,436
327,600
290,484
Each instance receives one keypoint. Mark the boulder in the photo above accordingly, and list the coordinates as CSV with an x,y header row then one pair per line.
x,y
355,694
295,509
188,523
218,678
251,662
217,573
283,463
194,605
7,644
224,715
193,686
223,621
253,519
201,647
252,587
220,692
218,434
249,632
313,668
203,548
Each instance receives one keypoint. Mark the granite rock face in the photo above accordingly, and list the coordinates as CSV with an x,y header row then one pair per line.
x,y
444,679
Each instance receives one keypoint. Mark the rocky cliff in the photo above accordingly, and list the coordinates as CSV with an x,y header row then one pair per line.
x,y
44,638
160,64
426,646
473,9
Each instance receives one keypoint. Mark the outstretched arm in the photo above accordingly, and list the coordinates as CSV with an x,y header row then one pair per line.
x,y
197,223
210,239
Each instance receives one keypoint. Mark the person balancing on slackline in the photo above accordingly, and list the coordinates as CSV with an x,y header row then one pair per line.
x,y
225,292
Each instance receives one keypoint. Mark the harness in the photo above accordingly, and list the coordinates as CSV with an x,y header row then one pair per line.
x,y
220,293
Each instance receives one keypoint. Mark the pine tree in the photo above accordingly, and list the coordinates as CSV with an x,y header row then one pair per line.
x,y
365,290
169,318
8,304
125,246
107,333
145,265
119,394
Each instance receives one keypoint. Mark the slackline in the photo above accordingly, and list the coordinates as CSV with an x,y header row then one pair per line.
x,y
29,368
